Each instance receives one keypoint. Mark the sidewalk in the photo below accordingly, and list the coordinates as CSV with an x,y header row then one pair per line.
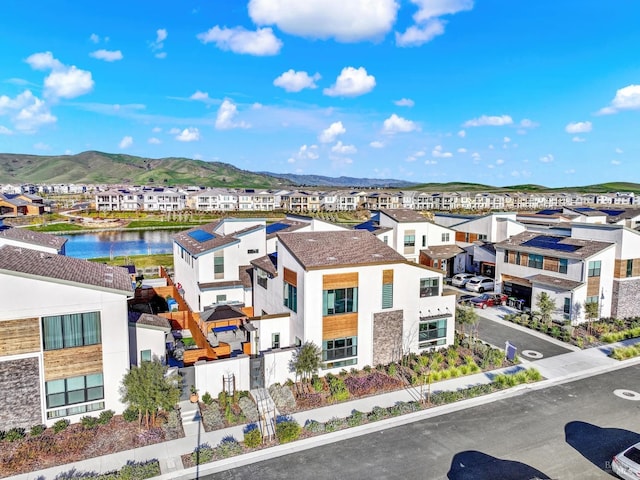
x,y
559,369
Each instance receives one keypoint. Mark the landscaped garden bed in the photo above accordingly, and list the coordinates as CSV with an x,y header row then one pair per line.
x,y
227,410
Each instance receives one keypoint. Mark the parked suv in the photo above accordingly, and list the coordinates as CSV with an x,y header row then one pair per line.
x,y
460,279
479,284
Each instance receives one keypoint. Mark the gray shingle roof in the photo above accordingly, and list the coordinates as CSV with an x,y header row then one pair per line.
x,y
266,263
405,215
59,267
584,248
33,238
439,252
338,248
555,282
195,247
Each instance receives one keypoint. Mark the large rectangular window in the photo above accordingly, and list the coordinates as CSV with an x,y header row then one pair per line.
x,y
594,268
535,261
432,333
409,240
387,289
429,287
566,308
72,330
445,237
339,348
339,300
262,277
218,265
69,391
291,297
563,264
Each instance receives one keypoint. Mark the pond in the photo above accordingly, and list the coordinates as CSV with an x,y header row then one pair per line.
x,y
120,243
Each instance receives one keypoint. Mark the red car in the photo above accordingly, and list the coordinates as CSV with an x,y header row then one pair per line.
x,y
489,300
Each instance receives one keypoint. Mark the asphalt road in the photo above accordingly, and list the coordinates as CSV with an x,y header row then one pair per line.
x,y
569,431
498,333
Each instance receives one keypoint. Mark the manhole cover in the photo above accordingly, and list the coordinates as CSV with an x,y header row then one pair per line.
x,y
627,394
531,354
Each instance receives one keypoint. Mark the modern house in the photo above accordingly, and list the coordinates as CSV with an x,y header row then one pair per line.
x,y
24,238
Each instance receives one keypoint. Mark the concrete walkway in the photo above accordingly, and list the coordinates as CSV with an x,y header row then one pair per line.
x,y
558,369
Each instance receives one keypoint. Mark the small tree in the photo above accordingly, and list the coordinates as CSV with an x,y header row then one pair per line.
x,y
147,389
306,360
546,306
466,316
592,312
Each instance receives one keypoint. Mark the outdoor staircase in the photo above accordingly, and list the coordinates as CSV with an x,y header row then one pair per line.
x,y
190,416
266,410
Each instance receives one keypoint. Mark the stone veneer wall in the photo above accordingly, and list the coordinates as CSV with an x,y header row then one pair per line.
x,y
625,299
387,337
20,393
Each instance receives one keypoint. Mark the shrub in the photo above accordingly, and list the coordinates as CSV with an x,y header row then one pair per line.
x,y
318,384
356,418
14,434
222,399
287,429
377,413
252,436
314,426
229,447
202,454
207,399
392,370
61,425
138,470
130,415
37,430
105,416
338,389
367,368
89,422
334,424
533,375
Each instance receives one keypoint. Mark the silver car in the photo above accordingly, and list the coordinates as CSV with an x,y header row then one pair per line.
x,y
627,464
480,284
460,279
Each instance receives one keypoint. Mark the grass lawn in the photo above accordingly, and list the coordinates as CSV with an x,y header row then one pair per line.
x,y
57,227
140,261
160,223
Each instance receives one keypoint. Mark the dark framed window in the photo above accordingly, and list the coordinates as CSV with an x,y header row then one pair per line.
x,y
291,297
629,272
594,268
535,261
339,300
69,391
339,348
432,333
253,250
218,265
563,264
145,355
429,287
72,330
409,240
506,256
424,240
445,237
275,340
262,277
566,308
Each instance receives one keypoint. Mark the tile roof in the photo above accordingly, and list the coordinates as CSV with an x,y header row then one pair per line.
x,y
556,282
405,215
33,238
59,267
439,252
338,248
195,247
583,248
150,320
292,226
268,263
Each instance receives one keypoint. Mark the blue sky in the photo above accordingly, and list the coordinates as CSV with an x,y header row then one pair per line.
x,y
485,91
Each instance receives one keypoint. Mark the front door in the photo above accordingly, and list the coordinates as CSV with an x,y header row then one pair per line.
x,y
256,367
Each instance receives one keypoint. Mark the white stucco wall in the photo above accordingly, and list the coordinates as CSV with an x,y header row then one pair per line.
x,y
146,338
210,375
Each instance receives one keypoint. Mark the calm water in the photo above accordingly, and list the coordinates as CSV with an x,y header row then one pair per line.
x,y
118,244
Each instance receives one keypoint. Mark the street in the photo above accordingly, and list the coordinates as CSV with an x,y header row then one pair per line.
x,y
567,431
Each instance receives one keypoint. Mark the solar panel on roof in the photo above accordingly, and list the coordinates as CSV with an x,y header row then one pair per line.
x,y
276,227
369,225
612,213
549,211
584,209
201,235
550,243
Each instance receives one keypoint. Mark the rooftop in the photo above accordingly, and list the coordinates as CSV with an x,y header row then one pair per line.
x,y
566,247
33,238
405,215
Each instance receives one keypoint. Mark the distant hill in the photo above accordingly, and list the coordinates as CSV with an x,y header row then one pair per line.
x,y
321,181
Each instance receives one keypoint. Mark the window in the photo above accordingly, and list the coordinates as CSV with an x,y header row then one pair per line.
x,y
592,299
409,240
518,258
445,237
221,298
145,355
291,297
629,272
262,277
506,256
482,236
339,300
218,265
429,287
563,263
387,289
339,348
535,261
432,333
253,250
73,330
424,240
275,340
385,239
594,268
69,391
567,308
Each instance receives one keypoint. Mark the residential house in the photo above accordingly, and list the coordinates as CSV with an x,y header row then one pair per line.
x,y
24,238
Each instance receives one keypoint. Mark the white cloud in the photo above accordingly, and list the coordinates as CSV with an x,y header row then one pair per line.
x,y
43,61
475,156
342,149
42,146
416,155
156,129
200,96
546,158
615,162
438,152
376,144
578,127
189,135
491,147
526,123
174,131
462,133
405,102
332,132
627,98
578,139
26,111
462,150
262,42
126,142
308,152
499,161
506,139
293,81
430,162
351,82
570,171
5,131
226,115
107,55
396,124
345,21
485,120
154,141
68,83
619,150
161,35
161,55
94,38
158,44
428,25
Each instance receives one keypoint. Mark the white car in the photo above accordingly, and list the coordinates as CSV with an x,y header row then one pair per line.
x,y
480,284
627,464
460,279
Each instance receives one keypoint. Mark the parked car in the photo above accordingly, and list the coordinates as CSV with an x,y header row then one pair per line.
x,y
460,279
488,300
479,284
626,464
